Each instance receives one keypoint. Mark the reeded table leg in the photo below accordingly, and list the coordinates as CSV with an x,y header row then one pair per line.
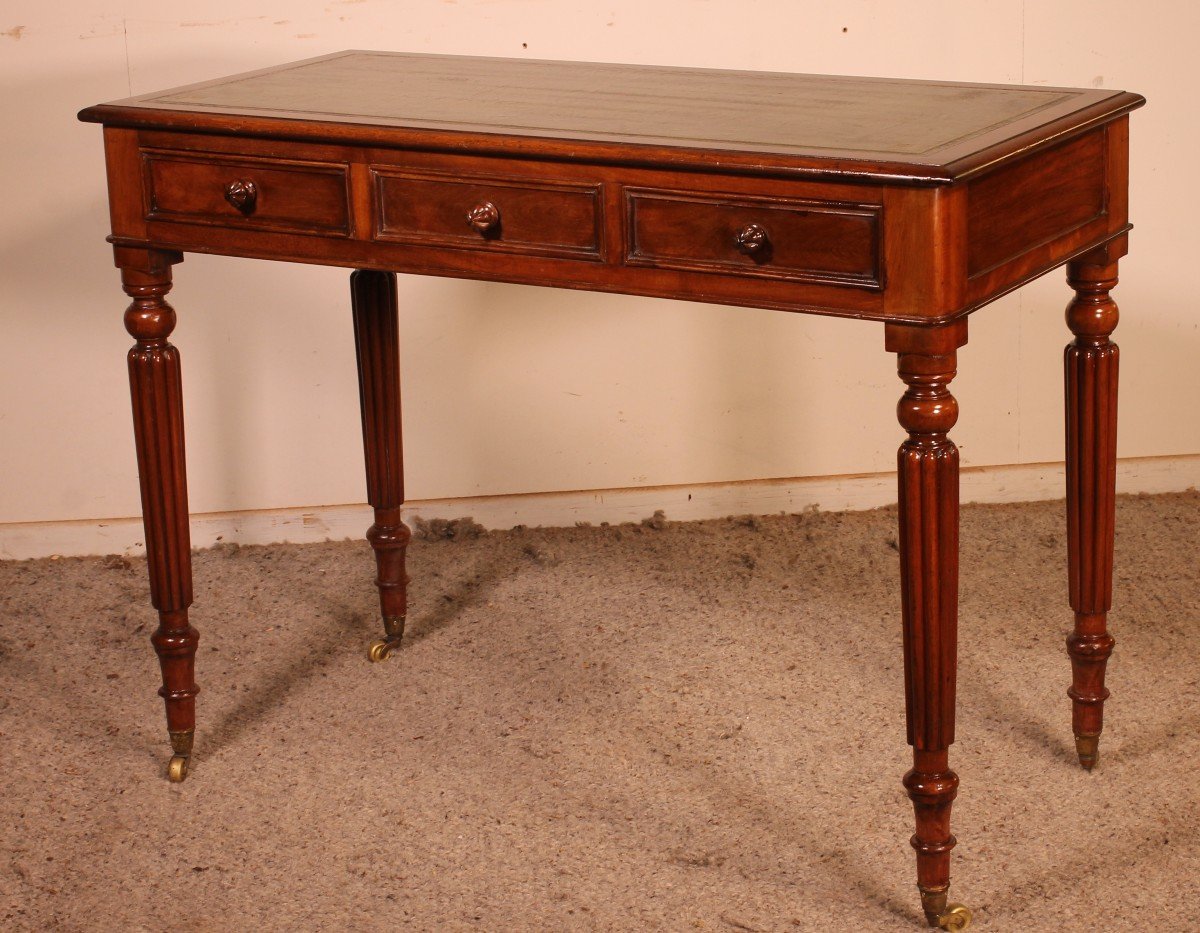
x,y
377,342
154,382
928,484
1090,363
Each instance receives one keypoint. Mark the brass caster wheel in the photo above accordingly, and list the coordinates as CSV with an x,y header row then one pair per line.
x,y
177,770
956,917
380,650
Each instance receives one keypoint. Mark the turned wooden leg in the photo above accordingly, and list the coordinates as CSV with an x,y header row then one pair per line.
x,y
154,383
928,506
1090,363
377,342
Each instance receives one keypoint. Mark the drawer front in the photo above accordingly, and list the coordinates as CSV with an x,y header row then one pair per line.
x,y
809,241
280,195
496,214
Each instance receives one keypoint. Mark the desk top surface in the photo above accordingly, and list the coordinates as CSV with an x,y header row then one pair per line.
x,y
919,129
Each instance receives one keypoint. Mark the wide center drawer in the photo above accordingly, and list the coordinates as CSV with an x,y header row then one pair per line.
x,y
280,195
484,212
805,240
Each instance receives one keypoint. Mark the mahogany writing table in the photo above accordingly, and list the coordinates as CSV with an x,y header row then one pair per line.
x,y
906,203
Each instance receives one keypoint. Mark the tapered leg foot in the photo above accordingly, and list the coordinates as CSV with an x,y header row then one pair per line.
x,y
377,342
932,787
933,902
1090,365
1088,749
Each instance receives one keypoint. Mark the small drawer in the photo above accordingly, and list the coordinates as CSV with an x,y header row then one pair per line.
x,y
279,195
500,214
808,241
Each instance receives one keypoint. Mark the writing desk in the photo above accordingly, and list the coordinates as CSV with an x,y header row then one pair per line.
x,y
906,203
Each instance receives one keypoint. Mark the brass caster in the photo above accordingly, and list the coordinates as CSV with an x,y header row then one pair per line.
x,y
380,650
177,770
956,917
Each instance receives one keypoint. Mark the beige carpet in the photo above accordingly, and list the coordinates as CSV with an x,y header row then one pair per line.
x,y
684,727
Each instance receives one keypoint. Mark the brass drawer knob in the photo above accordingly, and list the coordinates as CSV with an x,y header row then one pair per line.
x,y
752,240
484,218
243,195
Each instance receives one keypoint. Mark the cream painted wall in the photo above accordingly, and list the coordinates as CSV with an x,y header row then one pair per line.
x,y
512,389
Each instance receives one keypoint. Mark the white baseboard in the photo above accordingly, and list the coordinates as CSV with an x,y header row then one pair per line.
x,y
1019,483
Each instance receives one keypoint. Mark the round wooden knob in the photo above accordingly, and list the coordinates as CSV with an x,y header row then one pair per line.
x,y
242,194
484,218
752,240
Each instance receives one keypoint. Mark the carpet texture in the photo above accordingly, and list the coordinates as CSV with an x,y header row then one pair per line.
x,y
670,726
